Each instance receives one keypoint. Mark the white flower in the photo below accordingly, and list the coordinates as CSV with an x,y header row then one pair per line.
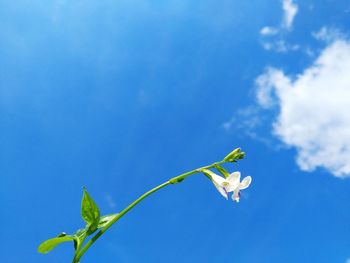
x,y
231,184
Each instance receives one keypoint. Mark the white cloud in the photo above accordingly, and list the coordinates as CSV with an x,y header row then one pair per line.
x,y
314,109
268,31
290,10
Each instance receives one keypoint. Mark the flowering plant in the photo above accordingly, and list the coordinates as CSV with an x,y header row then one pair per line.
x,y
97,225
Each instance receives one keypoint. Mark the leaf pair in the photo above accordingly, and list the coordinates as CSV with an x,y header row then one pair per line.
x,y
91,215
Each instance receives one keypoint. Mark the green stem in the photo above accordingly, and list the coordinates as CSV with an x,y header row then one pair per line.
x,y
174,180
82,239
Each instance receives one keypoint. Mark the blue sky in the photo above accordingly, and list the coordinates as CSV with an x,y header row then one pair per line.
x,y
120,96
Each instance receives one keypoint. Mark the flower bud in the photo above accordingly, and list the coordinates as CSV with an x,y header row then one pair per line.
x,y
234,156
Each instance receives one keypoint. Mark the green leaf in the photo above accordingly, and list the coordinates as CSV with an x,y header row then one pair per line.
x,y
222,171
50,244
89,210
104,220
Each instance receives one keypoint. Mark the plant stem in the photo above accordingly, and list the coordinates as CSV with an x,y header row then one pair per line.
x,y
83,237
173,180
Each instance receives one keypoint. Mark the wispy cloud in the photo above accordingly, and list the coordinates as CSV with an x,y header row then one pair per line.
x,y
249,122
313,109
290,10
268,31
110,202
328,34
244,119
280,46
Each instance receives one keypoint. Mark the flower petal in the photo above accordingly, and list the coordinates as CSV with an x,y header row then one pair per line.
x,y
234,179
231,187
217,181
222,191
216,178
236,195
245,182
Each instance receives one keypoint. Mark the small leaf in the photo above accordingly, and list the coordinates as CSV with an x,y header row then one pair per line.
x,y
50,244
222,171
104,220
89,210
